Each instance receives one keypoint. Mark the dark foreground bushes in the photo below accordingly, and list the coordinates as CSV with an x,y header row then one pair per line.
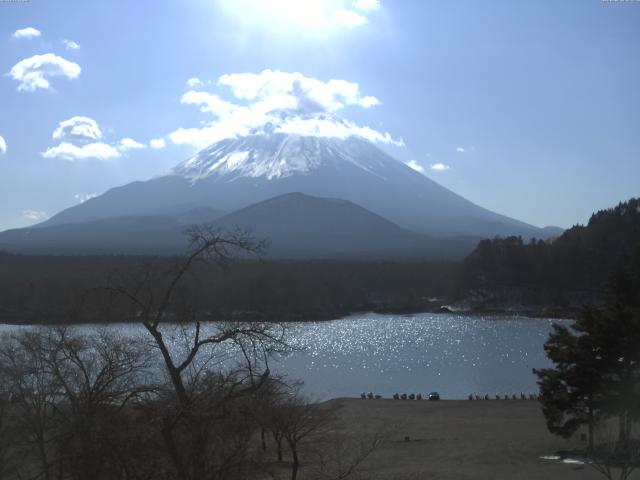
x,y
183,400
99,406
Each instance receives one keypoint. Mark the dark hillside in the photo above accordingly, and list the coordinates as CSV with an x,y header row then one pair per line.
x,y
567,272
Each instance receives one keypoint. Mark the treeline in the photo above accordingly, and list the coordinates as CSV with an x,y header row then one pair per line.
x,y
553,277
568,271
52,289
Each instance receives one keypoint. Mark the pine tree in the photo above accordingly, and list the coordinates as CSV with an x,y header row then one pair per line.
x,y
597,362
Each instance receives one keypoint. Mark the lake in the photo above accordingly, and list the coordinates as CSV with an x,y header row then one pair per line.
x,y
452,354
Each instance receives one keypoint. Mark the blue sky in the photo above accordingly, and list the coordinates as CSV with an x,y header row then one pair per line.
x,y
530,109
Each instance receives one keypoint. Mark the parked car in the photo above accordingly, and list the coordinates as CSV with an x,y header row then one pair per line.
x,y
434,396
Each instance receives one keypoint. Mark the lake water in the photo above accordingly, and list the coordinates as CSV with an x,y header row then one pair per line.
x,y
452,354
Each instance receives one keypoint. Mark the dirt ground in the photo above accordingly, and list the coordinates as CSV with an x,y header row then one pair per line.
x,y
494,439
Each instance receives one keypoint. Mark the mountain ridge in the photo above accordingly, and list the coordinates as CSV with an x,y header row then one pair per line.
x,y
237,172
295,225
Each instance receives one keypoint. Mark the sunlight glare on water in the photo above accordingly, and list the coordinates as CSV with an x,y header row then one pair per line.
x,y
453,354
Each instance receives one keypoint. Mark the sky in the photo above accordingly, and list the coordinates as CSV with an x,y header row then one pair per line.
x,y
529,109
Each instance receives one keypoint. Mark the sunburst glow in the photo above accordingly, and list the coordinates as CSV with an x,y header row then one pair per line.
x,y
309,15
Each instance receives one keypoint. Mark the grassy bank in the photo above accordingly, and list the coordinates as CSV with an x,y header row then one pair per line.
x,y
459,439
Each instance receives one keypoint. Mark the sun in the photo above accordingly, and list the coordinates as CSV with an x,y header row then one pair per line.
x,y
296,15
301,13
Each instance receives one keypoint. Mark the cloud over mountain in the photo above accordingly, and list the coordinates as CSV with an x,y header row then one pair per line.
x,y
287,102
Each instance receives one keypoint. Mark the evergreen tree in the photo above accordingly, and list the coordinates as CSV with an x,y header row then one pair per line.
x,y
597,362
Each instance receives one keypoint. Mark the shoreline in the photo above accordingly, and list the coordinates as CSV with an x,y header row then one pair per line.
x,y
538,314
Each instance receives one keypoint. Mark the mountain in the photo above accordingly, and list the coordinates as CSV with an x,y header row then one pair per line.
x,y
552,231
298,225
155,233
238,172
295,226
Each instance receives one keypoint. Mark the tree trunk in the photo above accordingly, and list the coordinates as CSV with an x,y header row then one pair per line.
x,y
278,440
295,464
591,425
172,449
174,374
264,442
622,430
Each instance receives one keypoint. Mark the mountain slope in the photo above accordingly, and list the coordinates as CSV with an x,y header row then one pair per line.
x,y
159,233
294,225
234,173
298,225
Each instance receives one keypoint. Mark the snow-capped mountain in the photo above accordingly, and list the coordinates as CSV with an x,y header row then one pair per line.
x,y
277,156
237,172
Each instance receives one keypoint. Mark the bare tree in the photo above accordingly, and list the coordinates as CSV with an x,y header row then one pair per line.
x,y
299,420
201,399
6,432
34,392
68,390
340,456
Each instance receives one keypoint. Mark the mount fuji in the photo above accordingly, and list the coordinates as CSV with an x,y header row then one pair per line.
x,y
237,173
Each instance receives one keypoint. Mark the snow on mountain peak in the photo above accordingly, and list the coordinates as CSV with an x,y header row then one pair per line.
x,y
276,155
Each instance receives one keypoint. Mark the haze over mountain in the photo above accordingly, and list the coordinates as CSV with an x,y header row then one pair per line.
x,y
295,226
237,172
149,233
299,225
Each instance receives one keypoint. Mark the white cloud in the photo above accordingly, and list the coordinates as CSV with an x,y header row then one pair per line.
x,y
34,215
348,18
70,44
32,72
70,152
86,136
367,5
78,128
27,33
130,144
209,103
83,197
3,146
323,127
289,102
279,90
415,165
460,150
439,167
195,83
157,143
203,137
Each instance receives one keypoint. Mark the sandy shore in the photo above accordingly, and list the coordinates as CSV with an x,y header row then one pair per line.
x,y
459,439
